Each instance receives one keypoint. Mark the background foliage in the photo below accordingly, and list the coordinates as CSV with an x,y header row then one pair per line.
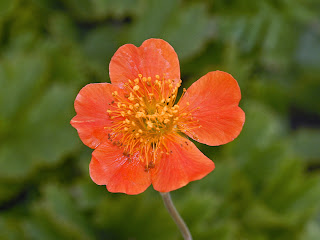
x,y
266,184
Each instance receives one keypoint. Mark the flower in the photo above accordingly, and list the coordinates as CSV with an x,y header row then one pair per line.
x,y
138,131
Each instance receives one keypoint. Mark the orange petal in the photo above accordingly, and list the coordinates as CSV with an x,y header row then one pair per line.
x,y
153,57
119,173
91,105
184,163
217,94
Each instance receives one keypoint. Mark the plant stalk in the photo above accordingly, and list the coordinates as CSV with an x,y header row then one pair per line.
x,y
176,216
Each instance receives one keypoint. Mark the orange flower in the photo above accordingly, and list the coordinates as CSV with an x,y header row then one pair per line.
x,y
138,131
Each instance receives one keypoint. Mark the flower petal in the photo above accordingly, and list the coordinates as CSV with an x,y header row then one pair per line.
x,y
184,163
153,57
118,172
91,105
217,94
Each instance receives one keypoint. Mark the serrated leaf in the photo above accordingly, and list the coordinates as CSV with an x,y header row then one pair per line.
x,y
43,137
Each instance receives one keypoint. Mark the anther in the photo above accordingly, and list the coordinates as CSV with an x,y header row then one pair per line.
x,y
166,121
126,121
131,98
150,124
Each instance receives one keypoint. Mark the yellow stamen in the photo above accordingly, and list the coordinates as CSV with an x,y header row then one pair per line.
x,y
146,115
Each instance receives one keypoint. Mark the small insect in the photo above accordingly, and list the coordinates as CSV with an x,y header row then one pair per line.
x,y
151,165
126,154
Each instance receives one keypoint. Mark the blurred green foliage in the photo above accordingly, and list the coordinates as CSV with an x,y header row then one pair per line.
x,y
266,183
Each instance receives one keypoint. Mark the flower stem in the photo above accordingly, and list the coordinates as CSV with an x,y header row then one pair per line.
x,y
176,216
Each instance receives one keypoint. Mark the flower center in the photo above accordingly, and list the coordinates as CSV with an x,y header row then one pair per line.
x,y
143,115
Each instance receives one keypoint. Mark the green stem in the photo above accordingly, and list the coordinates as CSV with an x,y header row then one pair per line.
x,y
176,216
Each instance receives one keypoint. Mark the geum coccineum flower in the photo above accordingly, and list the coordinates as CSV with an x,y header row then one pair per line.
x,y
138,129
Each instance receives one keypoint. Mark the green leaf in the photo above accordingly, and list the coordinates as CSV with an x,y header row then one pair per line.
x,y
59,210
261,128
21,79
152,20
37,228
96,10
99,45
43,137
312,231
8,190
6,7
305,143
116,213
10,229
190,30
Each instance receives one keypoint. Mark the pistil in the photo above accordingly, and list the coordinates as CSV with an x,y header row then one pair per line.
x,y
144,115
